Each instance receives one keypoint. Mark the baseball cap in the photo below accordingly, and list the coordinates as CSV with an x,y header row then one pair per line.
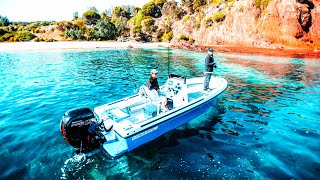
x,y
153,71
210,50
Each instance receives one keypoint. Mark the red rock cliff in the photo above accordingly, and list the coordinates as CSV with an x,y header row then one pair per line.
x,y
275,24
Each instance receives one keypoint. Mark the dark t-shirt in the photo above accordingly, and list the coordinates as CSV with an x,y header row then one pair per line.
x,y
152,83
209,62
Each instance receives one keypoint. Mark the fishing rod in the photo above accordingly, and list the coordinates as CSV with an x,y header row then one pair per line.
x,y
132,75
168,63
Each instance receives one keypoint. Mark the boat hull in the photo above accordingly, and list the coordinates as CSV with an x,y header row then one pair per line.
x,y
122,145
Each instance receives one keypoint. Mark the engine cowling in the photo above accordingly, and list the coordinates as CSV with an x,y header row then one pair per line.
x,y
79,127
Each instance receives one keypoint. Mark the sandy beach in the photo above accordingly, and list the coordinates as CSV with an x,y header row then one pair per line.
x,y
66,45
34,46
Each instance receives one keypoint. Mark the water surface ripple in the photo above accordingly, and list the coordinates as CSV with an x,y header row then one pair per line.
x,y
265,125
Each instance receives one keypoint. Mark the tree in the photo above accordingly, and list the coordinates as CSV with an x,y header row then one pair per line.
x,y
135,11
91,17
148,25
120,24
75,15
198,3
123,11
160,2
151,9
105,30
4,21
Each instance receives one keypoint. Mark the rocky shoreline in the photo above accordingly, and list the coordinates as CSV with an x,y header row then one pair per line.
x,y
282,52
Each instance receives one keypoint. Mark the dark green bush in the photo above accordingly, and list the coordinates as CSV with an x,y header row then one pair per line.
x,y
75,34
2,32
105,30
120,24
6,37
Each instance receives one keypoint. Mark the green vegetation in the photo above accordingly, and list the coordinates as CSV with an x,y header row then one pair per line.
x,y
7,37
23,36
160,2
216,17
197,4
185,38
75,15
105,30
2,32
155,21
261,3
148,25
167,36
4,21
151,9
91,16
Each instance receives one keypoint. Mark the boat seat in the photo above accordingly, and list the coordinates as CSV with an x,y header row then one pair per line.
x,y
148,94
117,114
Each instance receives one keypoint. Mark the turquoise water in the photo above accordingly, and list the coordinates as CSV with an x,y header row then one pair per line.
x,y
265,126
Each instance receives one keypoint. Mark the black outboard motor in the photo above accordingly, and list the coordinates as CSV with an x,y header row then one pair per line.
x,y
80,129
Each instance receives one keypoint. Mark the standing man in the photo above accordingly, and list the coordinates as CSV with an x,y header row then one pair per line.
x,y
208,69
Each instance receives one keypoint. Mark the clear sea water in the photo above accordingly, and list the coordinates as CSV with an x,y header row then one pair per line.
x,y
264,126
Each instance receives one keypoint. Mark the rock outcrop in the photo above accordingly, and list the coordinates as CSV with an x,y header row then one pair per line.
x,y
271,24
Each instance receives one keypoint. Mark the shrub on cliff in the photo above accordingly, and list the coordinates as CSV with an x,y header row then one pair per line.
x,y
167,36
23,36
261,3
197,4
216,17
183,38
171,9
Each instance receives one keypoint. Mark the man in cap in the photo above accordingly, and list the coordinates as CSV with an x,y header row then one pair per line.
x,y
208,69
152,81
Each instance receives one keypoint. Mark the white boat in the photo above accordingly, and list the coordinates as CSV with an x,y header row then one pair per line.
x,y
128,123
